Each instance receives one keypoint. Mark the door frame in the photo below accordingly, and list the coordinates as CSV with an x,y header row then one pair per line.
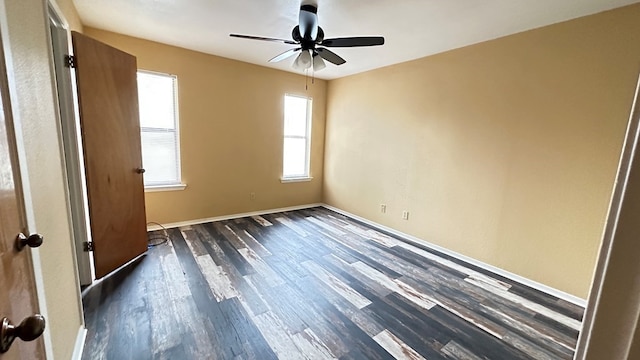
x,y
614,269
72,143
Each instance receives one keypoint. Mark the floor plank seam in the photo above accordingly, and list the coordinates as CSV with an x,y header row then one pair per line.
x,y
315,284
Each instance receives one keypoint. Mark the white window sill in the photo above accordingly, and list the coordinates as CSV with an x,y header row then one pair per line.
x,y
295,179
172,187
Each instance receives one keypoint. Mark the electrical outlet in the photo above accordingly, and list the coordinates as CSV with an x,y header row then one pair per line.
x,y
252,196
405,215
383,208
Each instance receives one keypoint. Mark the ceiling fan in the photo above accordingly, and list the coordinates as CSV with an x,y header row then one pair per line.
x,y
311,46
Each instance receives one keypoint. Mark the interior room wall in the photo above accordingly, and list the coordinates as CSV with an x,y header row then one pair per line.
x,y
27,49
504,151
231,123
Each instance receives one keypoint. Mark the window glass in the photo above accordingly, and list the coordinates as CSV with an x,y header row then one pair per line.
x,y
295,116
297,137
156,99
159,128
295,157
159,149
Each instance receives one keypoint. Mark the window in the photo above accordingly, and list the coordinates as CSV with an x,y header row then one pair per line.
x,y
157,98
297,138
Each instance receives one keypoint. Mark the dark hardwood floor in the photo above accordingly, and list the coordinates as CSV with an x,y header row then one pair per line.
x,y
313,284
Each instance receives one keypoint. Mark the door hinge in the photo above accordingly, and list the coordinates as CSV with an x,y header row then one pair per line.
x,y
88,246
70,61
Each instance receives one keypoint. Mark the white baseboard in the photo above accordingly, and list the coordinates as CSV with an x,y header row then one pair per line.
x,y
79,346
409,238
509,275
232,216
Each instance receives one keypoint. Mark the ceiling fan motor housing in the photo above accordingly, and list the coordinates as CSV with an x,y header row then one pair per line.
x,y
305,43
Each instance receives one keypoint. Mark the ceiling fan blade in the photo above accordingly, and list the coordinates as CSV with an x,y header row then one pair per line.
x,y
290,42
353,41
285,55
308,22
330,56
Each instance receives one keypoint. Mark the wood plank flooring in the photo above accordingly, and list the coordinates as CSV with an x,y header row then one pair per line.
x,y
313,284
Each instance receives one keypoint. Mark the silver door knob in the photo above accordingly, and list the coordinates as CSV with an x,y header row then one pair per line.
x,y
29,329
33,240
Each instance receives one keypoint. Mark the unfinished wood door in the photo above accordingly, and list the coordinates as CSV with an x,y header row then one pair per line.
x,y
17,286
109,120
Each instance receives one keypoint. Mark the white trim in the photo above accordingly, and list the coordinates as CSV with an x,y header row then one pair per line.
x,y
56,8
176,120
68,126
71,143
307,137
232,216
509,275
157,188
409,238
159,73
296,179
79,346
609,235
40,291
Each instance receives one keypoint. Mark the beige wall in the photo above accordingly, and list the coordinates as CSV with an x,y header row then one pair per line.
x,y
24,33
231,116
505,151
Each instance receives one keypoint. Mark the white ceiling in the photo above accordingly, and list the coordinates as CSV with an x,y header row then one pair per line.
x,y
412,28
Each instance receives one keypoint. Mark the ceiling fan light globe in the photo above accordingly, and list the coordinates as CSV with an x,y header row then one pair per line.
x,y
305,59
297,64
302,61
318,63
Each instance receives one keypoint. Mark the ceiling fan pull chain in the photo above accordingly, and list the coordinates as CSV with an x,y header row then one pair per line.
x,y
306,80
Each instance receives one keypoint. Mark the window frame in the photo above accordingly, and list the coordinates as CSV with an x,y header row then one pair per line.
x,y
167,185
309,121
